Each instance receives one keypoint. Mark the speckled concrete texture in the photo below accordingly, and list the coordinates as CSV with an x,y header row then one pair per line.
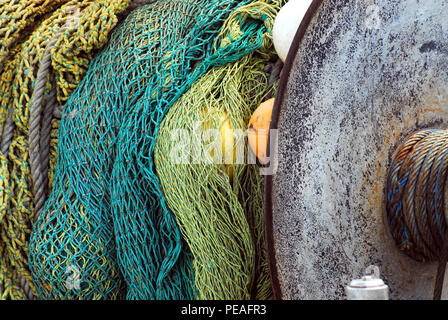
x,y
366,74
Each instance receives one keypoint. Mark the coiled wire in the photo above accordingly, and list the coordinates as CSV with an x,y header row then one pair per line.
x,y
416,198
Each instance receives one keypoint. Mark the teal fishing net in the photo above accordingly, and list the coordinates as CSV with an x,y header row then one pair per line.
x,y
106,231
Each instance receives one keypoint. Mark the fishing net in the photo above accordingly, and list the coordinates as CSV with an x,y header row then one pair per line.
x,y
106,140
139,207
214,193
75,30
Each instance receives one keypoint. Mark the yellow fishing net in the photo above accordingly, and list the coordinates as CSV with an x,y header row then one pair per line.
x,y
215,195
78,28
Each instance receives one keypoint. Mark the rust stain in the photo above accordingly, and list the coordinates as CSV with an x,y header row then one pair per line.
x,y
428,109
428,112
375,193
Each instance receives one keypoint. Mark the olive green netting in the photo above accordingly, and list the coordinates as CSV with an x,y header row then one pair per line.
x,y
212,202
219,205
106,215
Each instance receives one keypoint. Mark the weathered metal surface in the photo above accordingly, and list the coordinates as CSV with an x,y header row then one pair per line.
x,y
365,75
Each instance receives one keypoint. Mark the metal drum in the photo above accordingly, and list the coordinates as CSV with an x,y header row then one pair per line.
x,y
359,78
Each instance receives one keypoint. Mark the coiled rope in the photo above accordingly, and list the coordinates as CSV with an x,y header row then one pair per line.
x,y
416,199
40,142
39,139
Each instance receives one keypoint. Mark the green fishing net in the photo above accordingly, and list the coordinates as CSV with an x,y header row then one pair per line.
x,y
106,231
146,230
213,187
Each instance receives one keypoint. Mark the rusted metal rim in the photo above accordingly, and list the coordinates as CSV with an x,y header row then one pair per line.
x,y
273,125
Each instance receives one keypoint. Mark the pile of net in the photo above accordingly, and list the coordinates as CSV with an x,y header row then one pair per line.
x,y
106,230
211,183
66,34
139,205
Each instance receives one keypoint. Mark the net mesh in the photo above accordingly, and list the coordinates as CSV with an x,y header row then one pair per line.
x,y
26,28
138,204
211,186
106,231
